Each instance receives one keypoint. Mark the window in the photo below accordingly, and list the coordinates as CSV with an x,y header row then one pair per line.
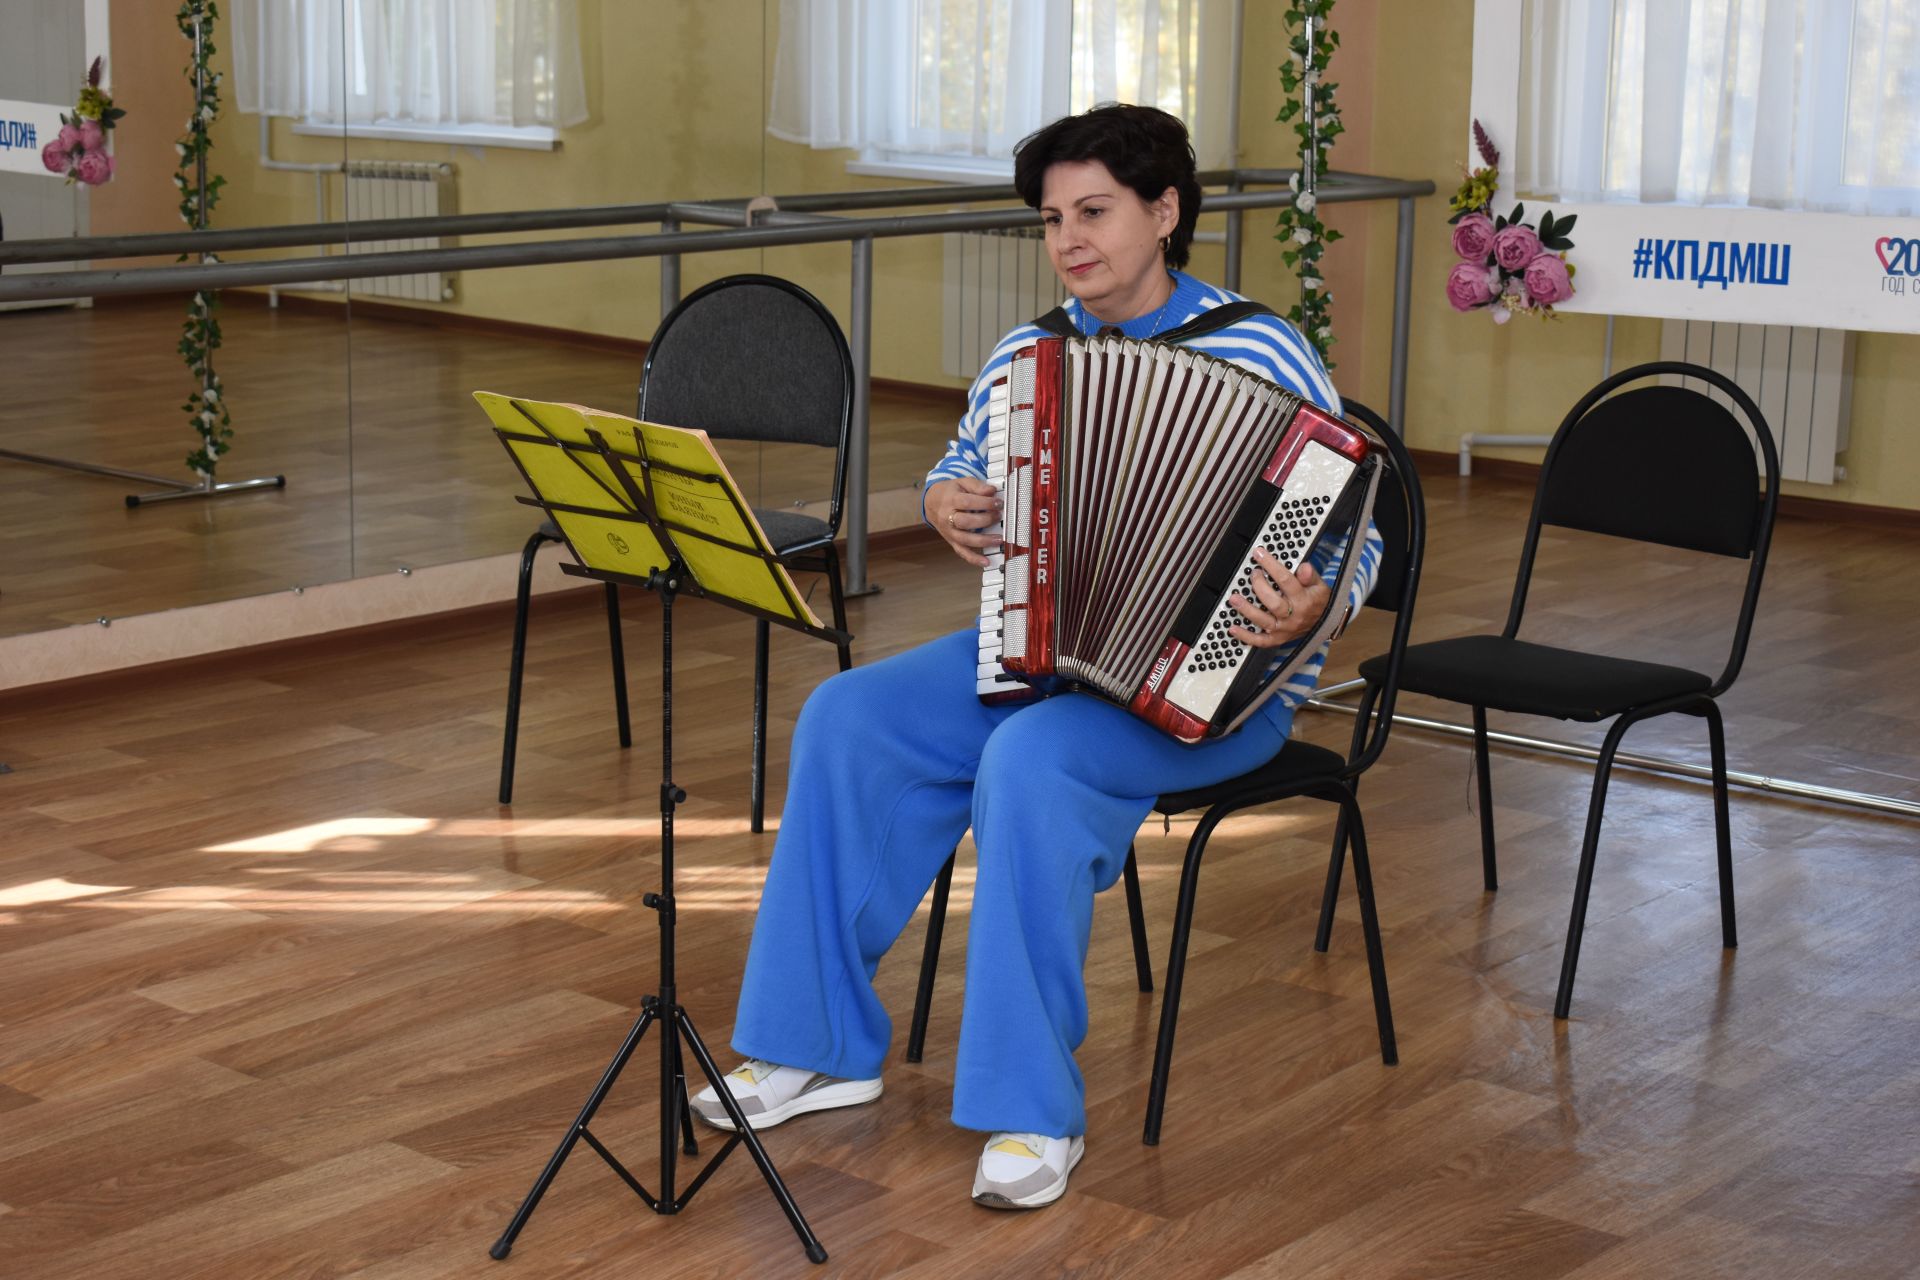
x,y
1786,104
489,70
946,88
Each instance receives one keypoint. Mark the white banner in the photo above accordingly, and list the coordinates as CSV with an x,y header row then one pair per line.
x,y
1753,266
25,127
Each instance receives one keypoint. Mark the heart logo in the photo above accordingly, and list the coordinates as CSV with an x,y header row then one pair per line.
x,y
1880,249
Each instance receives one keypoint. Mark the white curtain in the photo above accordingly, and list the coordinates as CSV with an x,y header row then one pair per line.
x,y
973,77
498,62
1786,104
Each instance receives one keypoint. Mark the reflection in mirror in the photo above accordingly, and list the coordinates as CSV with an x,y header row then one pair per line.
x,y
621,105
105,383
565,114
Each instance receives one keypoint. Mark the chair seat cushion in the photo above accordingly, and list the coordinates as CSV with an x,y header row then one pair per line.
x,y
788,529
1535,679
1297,762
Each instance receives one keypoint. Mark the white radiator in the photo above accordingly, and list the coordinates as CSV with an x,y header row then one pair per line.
x,y
1802,379
377,189
993,281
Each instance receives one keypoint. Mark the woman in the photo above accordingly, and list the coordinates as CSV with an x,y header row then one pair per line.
x,y
893,762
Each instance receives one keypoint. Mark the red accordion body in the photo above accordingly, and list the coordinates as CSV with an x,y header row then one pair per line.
x,y
1138,478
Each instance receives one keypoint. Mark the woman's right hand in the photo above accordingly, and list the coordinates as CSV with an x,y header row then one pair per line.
x,y
958,509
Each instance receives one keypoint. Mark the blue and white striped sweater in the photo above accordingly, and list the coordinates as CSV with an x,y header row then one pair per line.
x,y
1266,345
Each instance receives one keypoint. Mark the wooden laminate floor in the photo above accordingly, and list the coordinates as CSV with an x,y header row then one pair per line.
x,y
388,461
283,992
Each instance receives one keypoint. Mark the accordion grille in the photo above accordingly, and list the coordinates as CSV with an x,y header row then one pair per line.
x,y
1159,447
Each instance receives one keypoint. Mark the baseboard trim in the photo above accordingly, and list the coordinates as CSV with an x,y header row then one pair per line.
x,y
231,633
89,649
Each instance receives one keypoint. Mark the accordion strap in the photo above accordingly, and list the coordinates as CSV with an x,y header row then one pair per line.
x,y
1058,323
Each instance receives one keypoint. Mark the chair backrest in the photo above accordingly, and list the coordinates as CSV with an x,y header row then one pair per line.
x,y
753,357
1400,516
1667,465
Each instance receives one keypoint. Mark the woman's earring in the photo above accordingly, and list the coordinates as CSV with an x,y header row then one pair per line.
x,y
1166,243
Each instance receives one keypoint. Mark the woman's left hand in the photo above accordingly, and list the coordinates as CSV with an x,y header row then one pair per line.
x,y
1287,604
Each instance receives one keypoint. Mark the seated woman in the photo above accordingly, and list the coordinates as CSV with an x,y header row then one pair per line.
x,y
893,762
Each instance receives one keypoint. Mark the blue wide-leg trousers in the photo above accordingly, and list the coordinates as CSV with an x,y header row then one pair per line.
x,y
891,764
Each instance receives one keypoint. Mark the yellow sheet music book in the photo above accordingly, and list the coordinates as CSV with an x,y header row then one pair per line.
x,y
674,469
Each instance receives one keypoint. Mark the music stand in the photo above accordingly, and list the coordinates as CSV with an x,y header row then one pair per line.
x,y
645,505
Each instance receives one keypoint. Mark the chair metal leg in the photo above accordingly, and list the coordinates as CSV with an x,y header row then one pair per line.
x,y
1370,928
1137,920
757,806
1483,770
1336,861
930,961
1582,885
1722,824
839,594
619,665
1176,972
523,600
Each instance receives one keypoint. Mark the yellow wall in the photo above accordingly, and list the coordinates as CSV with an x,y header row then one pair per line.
x,y
1466,373
147,78
678,96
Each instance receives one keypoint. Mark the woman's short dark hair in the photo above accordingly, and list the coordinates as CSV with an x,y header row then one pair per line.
x,y
1143,147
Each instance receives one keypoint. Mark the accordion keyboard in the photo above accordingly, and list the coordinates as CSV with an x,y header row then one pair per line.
x,y
1000,584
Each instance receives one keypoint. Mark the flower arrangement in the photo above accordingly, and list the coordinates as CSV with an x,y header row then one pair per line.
x,y
1316,123
1506,264
80,152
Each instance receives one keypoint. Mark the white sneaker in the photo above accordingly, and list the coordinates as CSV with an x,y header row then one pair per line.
x,y
1025,1170
768,1093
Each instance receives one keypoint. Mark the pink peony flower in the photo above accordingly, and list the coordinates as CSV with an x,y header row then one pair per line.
x,y
1515,245
57,158
69,136
1473,237
1546,279
1467,287
93,167
92,136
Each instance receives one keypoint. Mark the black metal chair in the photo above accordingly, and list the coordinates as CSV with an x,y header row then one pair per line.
x,y
936,926
1300,769
748,357
1663,464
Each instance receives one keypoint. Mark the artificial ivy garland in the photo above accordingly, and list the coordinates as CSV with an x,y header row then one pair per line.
x,y
206,406
1316,122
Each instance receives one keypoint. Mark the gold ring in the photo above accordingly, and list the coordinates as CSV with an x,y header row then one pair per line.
x,y
950,523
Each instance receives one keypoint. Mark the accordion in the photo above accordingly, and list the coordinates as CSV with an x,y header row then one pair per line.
x,y
1137,479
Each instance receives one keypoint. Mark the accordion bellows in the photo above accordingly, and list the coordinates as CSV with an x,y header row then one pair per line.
x,y
1137,480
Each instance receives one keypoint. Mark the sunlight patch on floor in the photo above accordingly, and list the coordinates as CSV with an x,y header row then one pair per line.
x,y
58,889
364,834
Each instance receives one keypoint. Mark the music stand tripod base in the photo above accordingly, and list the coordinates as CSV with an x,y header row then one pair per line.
x,y
640,515
676,1119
